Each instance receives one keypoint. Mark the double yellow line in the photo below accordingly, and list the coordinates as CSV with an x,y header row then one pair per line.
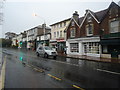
x,y
38,70
54,77
75,86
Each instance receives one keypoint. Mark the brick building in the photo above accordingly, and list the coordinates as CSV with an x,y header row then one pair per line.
x,y
85,35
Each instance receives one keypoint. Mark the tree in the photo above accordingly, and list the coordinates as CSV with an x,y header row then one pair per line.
x,y
5,42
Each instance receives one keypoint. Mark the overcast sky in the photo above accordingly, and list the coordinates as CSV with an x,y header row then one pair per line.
x,y
18,14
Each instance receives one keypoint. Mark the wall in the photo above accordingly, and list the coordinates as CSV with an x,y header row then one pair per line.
x,y
55,28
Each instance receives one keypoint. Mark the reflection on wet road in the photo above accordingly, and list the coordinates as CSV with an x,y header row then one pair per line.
x,y
83,73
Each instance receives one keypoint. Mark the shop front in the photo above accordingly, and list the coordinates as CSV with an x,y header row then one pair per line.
x,y
61,45
111,47
84,46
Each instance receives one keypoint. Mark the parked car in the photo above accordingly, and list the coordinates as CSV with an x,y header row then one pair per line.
x,y
46,52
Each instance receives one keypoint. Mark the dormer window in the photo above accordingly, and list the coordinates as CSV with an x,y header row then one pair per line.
x,y
89,18
114,26
72,32
73,23
113,11
89,29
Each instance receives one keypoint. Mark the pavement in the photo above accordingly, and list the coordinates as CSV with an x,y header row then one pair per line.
x,y
91,58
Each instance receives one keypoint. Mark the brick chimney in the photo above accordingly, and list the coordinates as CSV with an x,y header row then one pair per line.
x,y
76,16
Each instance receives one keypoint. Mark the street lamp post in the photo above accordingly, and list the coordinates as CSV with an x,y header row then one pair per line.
x,y
44,26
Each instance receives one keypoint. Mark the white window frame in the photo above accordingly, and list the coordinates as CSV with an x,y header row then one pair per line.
x,y
74,47
60,33
89,18
114,28
55,34
64,23
87,29
91,47
72,32
72,23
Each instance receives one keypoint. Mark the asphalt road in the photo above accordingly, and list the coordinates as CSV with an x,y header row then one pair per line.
x,y
25,70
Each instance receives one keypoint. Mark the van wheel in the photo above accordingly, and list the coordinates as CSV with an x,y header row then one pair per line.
x,y
46,55
37,54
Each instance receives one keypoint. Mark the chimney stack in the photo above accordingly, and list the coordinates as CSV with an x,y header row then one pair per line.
x,y
76,16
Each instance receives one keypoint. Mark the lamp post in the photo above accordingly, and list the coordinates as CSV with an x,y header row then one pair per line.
x,y
44,26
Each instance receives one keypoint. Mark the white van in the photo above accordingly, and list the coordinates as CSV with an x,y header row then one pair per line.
x,y
46,51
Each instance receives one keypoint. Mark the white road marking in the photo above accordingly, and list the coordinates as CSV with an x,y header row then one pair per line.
x,y
2,76
108,71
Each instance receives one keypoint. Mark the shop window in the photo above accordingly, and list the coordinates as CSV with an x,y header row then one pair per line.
x,y
114,26
91,47
105,50
89,29
74,47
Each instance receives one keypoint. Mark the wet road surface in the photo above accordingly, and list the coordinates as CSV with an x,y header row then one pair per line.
x,y
26,70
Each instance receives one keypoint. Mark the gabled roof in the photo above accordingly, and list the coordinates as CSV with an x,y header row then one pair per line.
x,y
98,16
113,4
70,22
92,14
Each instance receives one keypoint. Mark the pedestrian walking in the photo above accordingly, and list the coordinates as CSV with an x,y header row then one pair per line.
x,y
65,49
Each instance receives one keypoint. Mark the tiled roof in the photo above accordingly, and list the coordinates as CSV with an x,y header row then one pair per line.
x,y
100,15
80,20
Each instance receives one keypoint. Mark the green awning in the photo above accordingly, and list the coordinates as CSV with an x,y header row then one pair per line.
x,y
110,42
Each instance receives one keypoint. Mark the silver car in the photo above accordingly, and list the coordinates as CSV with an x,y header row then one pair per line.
x,y
46,52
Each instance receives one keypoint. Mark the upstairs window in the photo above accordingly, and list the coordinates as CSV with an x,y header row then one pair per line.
x,y
89,29
113,12
89,18
72,32
114,26
64,23
72,23
55,34
60,24
60,33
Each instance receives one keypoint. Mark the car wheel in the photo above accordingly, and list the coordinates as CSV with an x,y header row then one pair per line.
x,y
46,55
37,54
54,57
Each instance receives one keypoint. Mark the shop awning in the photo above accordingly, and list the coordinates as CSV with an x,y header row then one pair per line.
x,y
110,42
